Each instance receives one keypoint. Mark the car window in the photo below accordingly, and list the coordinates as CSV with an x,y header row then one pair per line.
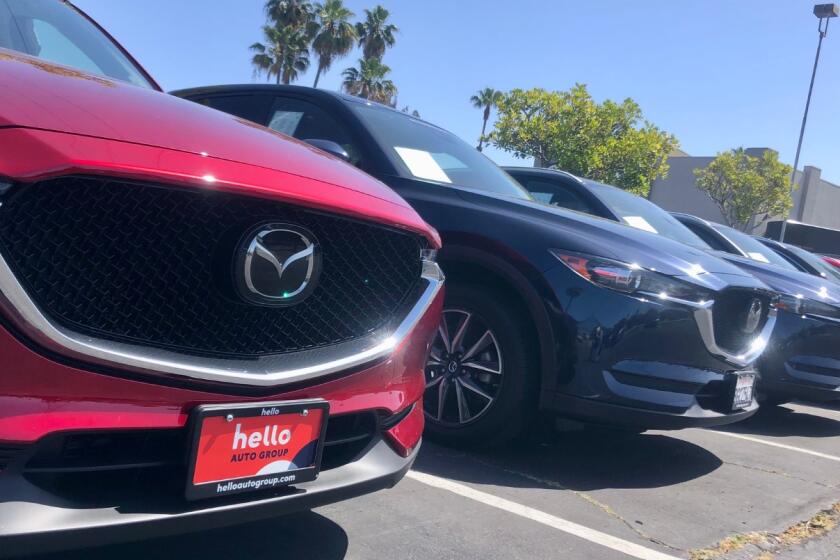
x,y
640,213
56,32
420,150
252,107
307,121
753,248
557,194
816,262
708,237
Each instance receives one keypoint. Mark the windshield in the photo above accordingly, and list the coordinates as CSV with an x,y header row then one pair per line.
x,y
56,32
423,151
640,213
754,249
823,268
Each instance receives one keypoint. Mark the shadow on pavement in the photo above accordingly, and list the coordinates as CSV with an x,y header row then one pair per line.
x,y
780,421
581,461
304,535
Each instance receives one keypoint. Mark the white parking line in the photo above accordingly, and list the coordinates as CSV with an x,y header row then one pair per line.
x,y
591,535
779,445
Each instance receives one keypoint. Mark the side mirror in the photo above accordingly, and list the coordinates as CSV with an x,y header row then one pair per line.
x,y
330,147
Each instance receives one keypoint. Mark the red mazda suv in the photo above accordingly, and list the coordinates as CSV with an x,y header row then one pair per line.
x,y
194,332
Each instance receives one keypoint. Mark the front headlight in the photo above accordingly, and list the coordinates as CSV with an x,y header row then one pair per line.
x,y
806,306
632,279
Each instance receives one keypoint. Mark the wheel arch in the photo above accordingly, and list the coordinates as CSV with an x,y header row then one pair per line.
x,y
467,265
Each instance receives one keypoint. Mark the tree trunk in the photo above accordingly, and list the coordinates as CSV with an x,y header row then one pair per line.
x,y
317,75
483,128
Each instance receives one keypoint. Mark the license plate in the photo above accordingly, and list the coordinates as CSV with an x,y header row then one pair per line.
x,y
744,388
254,447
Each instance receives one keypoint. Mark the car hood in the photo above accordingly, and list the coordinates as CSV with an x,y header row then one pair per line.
x,y
583,233
40,95
791,282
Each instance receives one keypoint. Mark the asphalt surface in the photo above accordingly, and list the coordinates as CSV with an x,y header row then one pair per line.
x,y
736,493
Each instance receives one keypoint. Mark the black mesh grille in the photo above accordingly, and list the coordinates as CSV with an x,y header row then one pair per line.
x,y
153,265
730,318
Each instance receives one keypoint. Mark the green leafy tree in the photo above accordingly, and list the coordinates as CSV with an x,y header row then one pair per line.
x,y
369,81
485,99
609,142
335,36
747,189
375,33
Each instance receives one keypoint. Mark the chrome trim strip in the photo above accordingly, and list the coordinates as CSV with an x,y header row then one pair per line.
x,y
826,318
263,371
703,316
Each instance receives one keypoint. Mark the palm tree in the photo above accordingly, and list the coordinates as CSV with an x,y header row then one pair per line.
x,y
284,54
375,35
336,35
368,81
486,98
295,13
267,57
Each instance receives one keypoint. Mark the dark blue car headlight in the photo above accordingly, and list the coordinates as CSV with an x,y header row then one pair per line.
x,y
632,279
811,307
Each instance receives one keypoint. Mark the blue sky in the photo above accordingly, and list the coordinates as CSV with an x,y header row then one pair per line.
x,y
716,73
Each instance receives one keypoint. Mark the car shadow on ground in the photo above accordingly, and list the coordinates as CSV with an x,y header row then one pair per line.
x,y
579,461
781,421
303,535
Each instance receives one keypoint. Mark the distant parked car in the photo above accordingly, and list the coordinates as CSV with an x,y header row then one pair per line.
x,y
546,309
803,359
804,261
832,260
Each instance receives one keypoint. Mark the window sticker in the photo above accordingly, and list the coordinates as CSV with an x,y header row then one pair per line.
x,y
285,122
639,223
758,257
422,165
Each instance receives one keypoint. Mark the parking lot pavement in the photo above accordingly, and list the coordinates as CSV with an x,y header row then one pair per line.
x,y
660,495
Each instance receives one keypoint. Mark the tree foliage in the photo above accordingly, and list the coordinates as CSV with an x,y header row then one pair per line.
x,y
369,81
375,33
290,29
747,189
284,54
609,142
336,35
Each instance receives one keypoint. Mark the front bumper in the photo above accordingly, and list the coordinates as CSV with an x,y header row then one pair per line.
x,y
637,362
803,360
36,522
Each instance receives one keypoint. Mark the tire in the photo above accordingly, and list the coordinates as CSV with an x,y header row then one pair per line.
x,y
514,391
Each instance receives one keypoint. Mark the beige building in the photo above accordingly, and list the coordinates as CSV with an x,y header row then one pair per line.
x,y
815,202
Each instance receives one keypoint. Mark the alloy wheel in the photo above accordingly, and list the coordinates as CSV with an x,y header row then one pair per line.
x,y
464,370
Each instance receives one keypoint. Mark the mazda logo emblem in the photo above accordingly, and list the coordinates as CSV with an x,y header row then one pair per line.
x,y
277,264
753,317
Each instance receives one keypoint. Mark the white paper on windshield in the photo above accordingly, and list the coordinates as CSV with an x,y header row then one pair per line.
x,y
422,165
639,223
758,257
285,122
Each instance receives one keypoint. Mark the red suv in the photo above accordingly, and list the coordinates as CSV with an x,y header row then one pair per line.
x,y
194,332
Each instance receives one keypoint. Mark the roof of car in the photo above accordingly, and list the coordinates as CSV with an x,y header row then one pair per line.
x,y
269,88
542,171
